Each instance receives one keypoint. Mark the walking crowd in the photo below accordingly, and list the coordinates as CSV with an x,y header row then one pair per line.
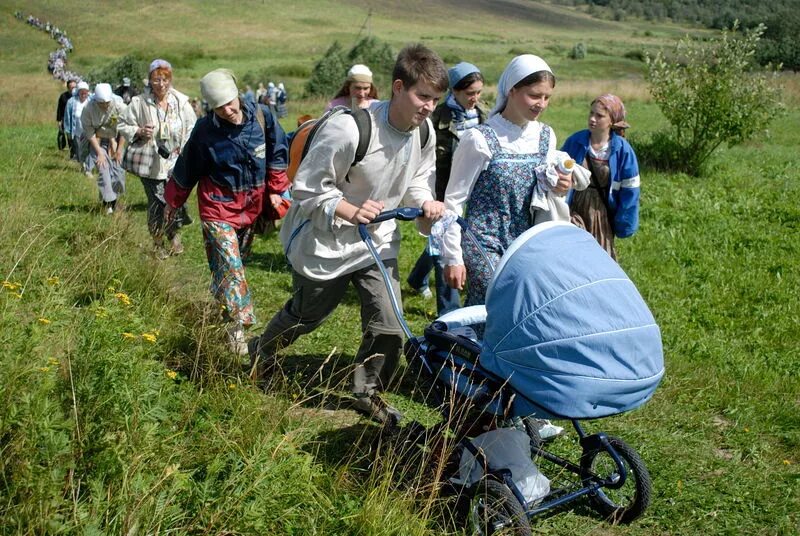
x,y
431,145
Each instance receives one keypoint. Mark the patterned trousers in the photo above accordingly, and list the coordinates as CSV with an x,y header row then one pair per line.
x,y
226,249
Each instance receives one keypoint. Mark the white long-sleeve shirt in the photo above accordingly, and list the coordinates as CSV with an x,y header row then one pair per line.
x,y
395,170
472,157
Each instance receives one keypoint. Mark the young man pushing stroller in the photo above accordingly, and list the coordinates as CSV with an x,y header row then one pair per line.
x,y
332,196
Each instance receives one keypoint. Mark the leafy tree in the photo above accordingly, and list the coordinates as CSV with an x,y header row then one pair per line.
x,y
712,93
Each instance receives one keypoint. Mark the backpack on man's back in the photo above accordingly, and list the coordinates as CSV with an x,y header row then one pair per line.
x,y
302,137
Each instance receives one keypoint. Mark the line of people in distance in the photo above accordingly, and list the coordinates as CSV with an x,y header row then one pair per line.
x,y
500,169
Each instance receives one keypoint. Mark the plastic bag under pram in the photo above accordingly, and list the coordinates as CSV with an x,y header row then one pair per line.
x,y
568,329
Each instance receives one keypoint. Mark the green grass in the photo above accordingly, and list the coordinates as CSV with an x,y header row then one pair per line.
x,y
102,432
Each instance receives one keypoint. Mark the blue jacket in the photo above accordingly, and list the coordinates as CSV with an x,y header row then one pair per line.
x,y
234,165
623,194
69,114
234,157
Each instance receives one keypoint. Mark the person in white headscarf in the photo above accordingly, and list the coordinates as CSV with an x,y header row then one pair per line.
x,y
280,101
100,119
358,90
493,179
493,174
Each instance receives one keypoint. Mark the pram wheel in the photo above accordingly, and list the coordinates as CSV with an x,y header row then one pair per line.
x,y
495,510
618,504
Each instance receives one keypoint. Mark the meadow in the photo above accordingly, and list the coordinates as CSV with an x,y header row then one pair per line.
x,y
122,412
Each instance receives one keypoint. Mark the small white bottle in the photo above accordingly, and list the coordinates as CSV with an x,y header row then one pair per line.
x,y
566,166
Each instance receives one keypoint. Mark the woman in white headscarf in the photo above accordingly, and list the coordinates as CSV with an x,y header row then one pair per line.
x,y
493,174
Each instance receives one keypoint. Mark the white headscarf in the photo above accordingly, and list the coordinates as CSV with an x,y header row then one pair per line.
x,y
516,70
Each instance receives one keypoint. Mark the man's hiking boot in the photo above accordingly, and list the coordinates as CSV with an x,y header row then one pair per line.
x,y
260,365
375,408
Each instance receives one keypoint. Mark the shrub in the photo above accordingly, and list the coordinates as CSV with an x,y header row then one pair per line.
x,y
712,93
374,53
578,52
637,55
329,72
131,66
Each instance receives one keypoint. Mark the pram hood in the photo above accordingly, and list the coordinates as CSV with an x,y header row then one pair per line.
x,y
568,328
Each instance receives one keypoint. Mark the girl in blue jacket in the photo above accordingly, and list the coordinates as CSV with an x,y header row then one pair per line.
x,y
609,207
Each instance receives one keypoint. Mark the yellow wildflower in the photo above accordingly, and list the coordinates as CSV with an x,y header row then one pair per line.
x,y
787,462
123,298
231,386
17,295
43,320
53,281
44,369
171,374
11,286
149,337
53,361
129,336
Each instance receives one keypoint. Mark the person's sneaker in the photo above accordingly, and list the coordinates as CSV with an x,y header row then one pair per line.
x,y
177,246
425,292
547,430
109,209
89,174
236,339
375,408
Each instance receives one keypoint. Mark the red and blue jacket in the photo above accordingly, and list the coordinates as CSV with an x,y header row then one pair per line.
x,y
623,191
232,165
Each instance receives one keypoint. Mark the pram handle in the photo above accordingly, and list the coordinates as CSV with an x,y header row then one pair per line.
x,y
400,213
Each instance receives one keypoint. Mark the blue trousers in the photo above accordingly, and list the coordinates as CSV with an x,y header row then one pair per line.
x,y
447,299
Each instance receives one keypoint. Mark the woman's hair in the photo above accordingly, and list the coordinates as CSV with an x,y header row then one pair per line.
x,y
467,81
535,78
162,72
345,90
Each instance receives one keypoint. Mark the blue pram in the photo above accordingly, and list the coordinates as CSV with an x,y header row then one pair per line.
x,y
566,336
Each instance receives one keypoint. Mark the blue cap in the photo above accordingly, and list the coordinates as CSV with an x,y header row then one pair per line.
x,y
459,72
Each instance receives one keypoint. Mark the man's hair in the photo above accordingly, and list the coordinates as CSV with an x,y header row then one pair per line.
x,y
417,63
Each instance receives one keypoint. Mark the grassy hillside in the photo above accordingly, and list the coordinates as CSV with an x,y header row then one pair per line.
x,y
121,412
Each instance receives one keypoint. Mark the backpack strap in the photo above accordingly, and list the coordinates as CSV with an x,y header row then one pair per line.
x,y
364,124
424,134
261,120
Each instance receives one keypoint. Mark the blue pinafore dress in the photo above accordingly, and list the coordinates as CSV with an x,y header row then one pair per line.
x,y
498,209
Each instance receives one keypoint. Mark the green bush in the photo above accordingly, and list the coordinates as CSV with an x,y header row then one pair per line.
x,y
637,55
330,71
374,53
132,66
712,93
578,52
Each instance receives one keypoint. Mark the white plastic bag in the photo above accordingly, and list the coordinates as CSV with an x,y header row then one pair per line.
x,y
505,448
